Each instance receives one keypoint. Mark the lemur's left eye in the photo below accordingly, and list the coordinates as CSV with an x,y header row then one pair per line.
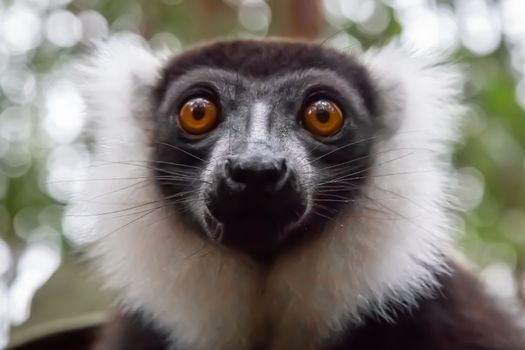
x,y
198,115
323,118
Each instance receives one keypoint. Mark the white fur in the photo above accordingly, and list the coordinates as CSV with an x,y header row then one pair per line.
x,y
207,298
259,127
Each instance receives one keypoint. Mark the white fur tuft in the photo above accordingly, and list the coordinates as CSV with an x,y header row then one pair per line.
x,y
383,253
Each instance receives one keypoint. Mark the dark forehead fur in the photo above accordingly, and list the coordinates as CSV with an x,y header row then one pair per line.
x,y
264,59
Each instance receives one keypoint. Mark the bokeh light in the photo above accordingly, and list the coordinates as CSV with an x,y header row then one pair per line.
x,y
254,15
63,28
479,21
64,107
20,28
36,264
94,26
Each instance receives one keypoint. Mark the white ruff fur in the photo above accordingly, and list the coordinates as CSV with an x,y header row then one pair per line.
x,y
208,298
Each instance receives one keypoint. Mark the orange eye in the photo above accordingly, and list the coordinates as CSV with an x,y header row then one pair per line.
x,y
323,118
198,116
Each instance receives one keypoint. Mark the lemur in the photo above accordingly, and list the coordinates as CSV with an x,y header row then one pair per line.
x,y
278,195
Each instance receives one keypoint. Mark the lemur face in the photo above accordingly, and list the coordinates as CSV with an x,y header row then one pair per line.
x,y
257,149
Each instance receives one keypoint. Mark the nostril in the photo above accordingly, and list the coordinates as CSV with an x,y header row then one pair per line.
x,y
257,172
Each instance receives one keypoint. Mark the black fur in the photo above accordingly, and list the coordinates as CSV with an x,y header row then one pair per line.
x,y
461,317
261,59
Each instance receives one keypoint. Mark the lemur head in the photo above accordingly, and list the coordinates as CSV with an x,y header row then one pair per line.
x,y
253,192
263,144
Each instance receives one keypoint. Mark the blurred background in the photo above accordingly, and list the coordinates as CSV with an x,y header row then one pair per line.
x,y
41,282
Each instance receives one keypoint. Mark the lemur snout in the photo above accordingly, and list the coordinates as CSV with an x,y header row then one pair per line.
x,y
260,186
255,196
257,173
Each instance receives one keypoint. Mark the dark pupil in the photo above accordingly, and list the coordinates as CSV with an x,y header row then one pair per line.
x,y
198,110
322,114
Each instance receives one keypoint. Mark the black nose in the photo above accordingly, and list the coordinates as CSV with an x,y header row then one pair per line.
x,y
261,173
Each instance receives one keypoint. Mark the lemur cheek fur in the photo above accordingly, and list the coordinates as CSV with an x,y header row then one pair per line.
x,y
279,202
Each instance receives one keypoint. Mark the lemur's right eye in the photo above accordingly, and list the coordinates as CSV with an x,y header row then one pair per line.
x,y
198,115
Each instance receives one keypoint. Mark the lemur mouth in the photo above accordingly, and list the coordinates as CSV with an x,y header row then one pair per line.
x,y
253,204
259,237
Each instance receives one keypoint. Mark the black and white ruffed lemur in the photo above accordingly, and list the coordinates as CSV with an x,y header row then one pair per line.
x,y
277,195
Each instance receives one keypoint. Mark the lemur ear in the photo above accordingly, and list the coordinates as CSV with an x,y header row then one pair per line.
x,y
116,81
417,92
